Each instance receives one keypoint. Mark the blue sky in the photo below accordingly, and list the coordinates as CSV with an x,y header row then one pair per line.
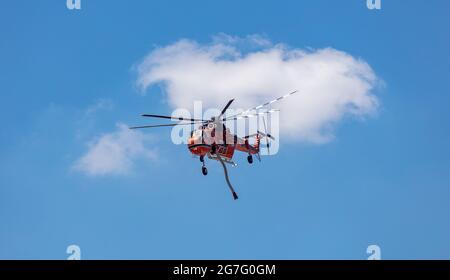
x,y
384,180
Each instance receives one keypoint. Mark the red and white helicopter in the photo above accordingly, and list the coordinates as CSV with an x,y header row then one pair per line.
x,y
214,140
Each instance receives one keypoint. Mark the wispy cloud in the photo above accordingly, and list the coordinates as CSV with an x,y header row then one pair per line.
x,y
99,105
89,116
114,153
332,83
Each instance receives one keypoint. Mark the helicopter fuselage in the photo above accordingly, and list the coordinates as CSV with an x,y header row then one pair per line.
x,y
216,139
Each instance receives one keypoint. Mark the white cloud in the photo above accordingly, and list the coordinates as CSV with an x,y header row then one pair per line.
x,y
114,153
99,105
332,83
86,123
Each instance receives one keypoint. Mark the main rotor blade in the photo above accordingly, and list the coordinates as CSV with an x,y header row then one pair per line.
x,y
250,115
265,104
163,125
226,108
172,118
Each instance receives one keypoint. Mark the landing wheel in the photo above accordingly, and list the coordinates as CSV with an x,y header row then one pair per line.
x,y
213,149
202,158
250,159
204,170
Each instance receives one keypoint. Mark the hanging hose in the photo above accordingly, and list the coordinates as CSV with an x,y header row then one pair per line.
x,y
227,178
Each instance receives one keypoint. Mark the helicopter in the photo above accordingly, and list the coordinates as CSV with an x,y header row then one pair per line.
x,y
214,140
